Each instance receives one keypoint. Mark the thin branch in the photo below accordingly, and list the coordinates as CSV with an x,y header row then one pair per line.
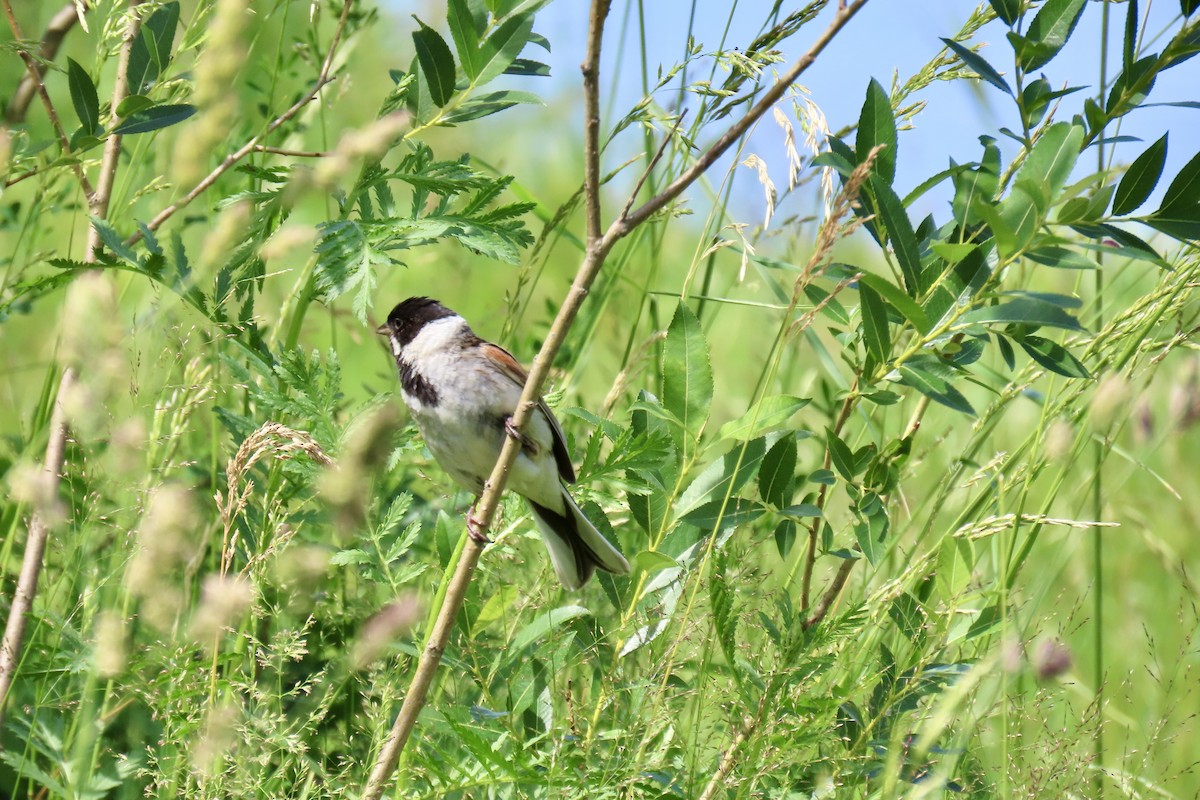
x,y
700,165
283,151
596,251
39,528
591,118
662,148
60,25
35,75
728,760
233,158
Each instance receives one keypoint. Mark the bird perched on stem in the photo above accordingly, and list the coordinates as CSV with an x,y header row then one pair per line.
x,y
462,392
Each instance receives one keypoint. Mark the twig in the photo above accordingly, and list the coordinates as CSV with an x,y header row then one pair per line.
x,y
662,148
596,250
39,529
249,147
844,14
35,76
60,24
591,119
283,151
728,760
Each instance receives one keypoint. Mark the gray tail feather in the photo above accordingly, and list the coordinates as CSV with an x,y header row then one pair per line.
x,y
576,547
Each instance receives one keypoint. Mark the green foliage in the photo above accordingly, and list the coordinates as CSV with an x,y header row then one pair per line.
x,y
250,542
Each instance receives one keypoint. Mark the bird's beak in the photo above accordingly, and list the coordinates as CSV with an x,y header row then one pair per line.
x,y
383,329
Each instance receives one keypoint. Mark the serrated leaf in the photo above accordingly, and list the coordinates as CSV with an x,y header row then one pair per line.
x,y
1060,258
840,455
500,49
777,474
466,39
1184,191
154,118
785,537
900,234
1009,11
904,304
935,387
1026,310
83,97
1054,357
726,514
1049,31
1141,178
768,413
687,374
877,126
489,103
979,65
876,336
1129,46
437,63
151,50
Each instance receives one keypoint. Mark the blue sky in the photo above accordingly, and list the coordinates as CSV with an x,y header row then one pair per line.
x,y
887,36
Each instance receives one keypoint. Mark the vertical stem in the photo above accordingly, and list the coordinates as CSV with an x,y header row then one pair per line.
x,y
39,529
1097,498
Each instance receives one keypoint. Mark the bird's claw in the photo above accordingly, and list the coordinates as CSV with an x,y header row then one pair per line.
x,y
475,528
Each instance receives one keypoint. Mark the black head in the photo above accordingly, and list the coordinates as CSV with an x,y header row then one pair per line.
x,y
408,318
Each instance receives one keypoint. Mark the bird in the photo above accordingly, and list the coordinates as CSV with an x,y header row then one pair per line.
x,y
462,392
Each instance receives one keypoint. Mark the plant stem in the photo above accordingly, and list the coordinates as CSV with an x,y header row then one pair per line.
x,y
39,528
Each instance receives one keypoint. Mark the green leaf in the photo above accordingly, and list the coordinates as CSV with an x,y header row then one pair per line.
x,y
155,117
1060,258
500,49
546,622
151,50
1026,310
1049,31
1180,223
724,477
876,336
1141,178
877,126
133,104
687,374
466,39
1051,160
1188,6
437,63
498,606
840,455
1184,191
785,537
1009,11
724,514
904,304
1054,357
1129,48
980,65
934,386
900,234
869,533
489,103
653,561
767,414
777,475
83,97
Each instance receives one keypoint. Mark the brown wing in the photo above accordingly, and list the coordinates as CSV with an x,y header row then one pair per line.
x,y
514,370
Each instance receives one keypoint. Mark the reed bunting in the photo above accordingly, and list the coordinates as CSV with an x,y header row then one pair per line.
x,y
462,392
